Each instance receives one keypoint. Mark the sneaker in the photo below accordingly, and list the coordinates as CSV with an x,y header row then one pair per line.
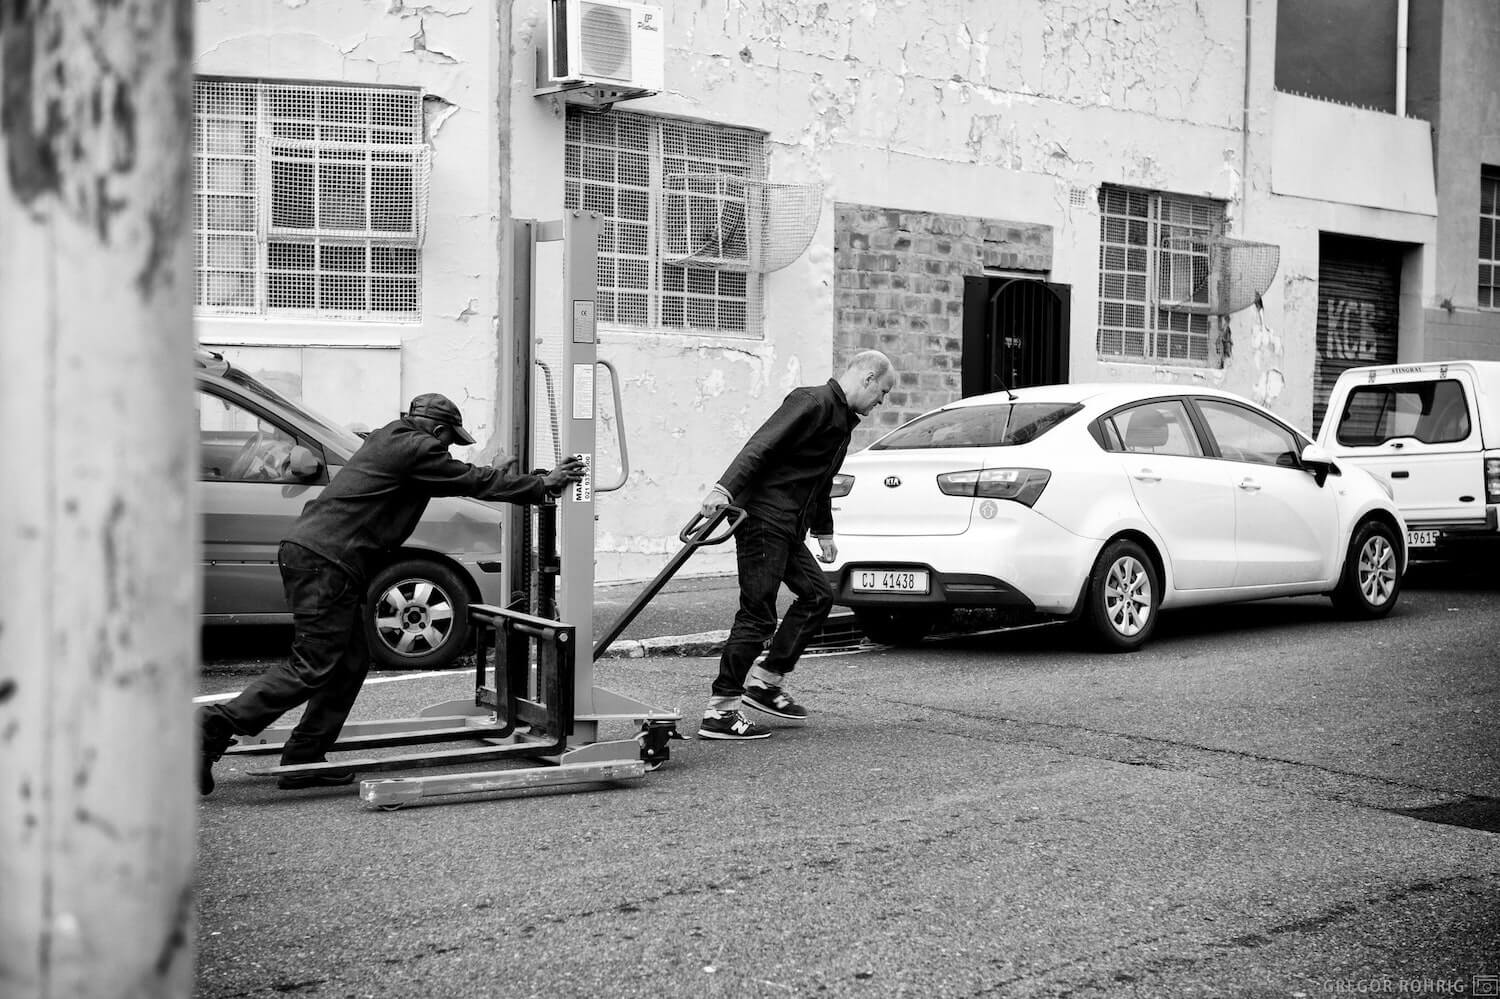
x,y
774,701
730,725
214,736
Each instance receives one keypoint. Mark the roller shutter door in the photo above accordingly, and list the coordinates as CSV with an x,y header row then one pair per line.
x,y
1359,288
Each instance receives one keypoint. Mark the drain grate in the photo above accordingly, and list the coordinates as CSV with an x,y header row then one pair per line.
x,y
1473,812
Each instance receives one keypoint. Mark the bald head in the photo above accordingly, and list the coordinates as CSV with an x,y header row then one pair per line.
x,y
866,381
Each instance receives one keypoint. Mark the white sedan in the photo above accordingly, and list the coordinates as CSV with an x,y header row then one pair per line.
x,y
1105,504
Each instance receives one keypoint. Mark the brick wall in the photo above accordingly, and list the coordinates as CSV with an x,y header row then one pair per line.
x,y
1461,335
899,288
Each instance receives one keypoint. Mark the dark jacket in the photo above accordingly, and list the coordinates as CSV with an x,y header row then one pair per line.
x,y
783,472
374,502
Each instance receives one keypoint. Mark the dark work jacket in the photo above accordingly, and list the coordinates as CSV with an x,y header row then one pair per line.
x,y
374,502
783,472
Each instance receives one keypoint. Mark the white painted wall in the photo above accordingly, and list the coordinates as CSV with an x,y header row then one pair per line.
x,y
449,49
1000,109
974,108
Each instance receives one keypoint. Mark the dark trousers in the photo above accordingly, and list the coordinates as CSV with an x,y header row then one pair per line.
x,y
768,556
327,665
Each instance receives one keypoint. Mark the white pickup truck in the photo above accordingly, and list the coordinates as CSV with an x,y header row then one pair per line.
x,y
1432,431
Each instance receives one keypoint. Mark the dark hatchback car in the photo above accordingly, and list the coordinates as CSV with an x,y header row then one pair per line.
x,y
262,457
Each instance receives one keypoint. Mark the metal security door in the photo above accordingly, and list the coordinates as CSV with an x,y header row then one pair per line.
x,y
1015,333
1359,287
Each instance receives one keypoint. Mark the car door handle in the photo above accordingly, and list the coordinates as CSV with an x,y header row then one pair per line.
x,y
1146,475
1250,485
1400,475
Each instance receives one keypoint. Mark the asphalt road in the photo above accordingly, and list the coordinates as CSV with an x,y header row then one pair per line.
x,y
1245,808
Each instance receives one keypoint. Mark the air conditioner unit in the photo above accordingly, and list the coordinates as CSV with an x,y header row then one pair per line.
x,y
608,43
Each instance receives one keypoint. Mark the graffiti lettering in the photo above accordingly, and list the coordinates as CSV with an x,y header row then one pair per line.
x,y
1349,330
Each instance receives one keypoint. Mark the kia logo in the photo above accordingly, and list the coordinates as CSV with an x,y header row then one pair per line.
x,y
892,481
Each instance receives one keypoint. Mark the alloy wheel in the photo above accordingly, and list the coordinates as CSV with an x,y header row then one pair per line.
x,y
414,616
1377,570
1127,596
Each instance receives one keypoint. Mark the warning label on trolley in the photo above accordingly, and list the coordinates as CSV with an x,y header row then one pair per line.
x,y
583,489
583,391
583,320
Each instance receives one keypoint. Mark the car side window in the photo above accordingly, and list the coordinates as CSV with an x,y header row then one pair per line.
x,y
1245,435
1158,427
237,445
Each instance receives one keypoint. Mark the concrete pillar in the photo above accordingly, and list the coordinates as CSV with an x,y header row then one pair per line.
x,y
98,531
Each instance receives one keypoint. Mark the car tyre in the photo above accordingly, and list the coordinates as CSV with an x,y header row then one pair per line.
x,y
1123,597
416,615
1371,581
896,627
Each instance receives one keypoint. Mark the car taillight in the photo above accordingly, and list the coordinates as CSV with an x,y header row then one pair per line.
x,y
1492,480
841,485
1023,485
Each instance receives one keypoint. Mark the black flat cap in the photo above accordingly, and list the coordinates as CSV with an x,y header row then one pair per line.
x,y
436,406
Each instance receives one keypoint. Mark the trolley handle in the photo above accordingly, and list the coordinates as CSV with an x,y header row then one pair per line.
x,y
699,530
614,381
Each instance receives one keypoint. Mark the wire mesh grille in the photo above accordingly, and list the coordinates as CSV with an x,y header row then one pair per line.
x,y
1153,302
616,164
1243,271
310,200
726,221
1220,274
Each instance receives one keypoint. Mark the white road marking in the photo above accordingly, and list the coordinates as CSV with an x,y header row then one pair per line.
x,y
370,681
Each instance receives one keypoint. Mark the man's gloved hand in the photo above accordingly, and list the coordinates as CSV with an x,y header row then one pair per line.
x,y
571,470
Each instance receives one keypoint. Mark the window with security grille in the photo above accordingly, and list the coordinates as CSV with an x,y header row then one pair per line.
x,y
1489,238
1153,276
620,164
309,200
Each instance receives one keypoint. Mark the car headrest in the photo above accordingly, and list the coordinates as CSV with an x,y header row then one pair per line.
x,y
1148,428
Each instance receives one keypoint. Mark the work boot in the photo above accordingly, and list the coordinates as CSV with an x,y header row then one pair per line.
x,y
332,777
214,736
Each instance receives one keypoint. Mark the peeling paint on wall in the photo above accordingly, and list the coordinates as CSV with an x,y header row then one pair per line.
x,y
435,113
1267,355
423,50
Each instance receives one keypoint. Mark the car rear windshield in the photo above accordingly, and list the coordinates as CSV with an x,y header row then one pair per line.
x,y
1435,412
979,426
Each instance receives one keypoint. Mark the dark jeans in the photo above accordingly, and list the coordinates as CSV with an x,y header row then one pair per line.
x,y
768,556
327,665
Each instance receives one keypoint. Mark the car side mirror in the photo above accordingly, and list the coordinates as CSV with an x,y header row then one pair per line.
x,y
303,464
1319,462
